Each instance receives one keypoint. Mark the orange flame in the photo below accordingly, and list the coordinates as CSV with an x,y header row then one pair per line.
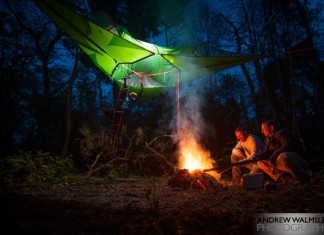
x,y
192,155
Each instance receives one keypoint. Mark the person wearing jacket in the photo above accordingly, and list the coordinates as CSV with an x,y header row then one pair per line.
x,y
282,154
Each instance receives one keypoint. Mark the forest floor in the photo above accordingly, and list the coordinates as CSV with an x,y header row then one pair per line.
x,y
149,206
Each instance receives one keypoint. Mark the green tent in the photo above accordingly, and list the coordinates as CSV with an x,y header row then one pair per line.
x,y
119,55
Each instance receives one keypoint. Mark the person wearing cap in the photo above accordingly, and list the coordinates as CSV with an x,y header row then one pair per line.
x,y
248,145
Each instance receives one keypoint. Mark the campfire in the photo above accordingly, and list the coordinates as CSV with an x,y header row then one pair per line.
x,y
192,156
193,159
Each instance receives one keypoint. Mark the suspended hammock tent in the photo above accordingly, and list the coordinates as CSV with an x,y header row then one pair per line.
x,y
119,55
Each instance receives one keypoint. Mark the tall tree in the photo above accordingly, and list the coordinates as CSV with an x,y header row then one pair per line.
x,y
69,104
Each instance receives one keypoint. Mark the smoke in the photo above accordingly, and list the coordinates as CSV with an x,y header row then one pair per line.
x,y
191,128
190,120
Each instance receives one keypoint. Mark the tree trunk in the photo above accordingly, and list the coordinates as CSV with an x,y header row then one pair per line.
x,y
68,117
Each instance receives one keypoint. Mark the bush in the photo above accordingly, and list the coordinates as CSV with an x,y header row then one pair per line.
x,y
37,169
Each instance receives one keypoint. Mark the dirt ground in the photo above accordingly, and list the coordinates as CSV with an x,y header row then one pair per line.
x,y
149,206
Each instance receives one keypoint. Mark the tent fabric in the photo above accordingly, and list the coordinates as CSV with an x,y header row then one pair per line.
x,y
119,55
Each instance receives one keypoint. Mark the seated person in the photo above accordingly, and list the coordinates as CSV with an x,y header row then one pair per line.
x,y
283,154
247,146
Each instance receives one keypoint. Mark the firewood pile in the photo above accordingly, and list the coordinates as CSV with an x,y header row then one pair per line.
x,y
196,179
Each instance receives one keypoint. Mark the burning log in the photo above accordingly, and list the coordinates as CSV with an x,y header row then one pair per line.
x,y
226,167
196,179
250,181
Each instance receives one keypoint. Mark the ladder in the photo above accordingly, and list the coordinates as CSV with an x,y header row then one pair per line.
x,y
115,119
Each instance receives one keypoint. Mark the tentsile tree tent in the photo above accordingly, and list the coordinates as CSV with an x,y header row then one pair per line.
x,y
119,55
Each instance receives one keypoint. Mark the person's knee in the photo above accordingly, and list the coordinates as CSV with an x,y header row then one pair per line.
x,y
237,155
234,158
238,152
283,158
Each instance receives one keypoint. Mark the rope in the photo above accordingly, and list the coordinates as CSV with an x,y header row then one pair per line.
x,y
302,50
177,77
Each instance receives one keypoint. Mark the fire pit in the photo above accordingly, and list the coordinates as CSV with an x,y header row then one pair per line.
x,y
195,179
192,158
